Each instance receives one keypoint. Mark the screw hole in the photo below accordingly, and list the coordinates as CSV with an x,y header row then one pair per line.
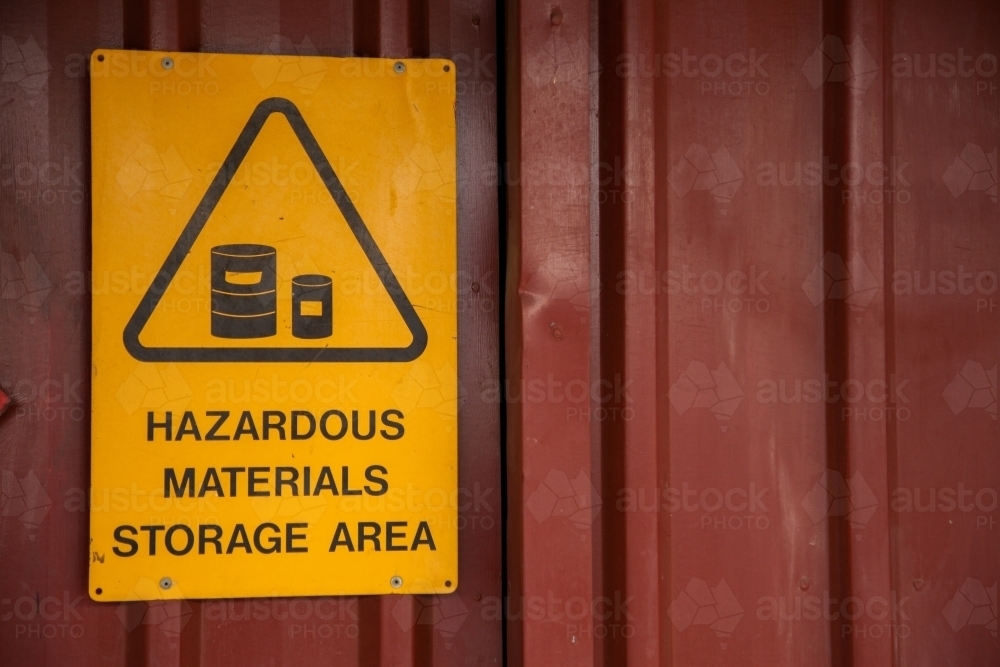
x,y
447,68
396,582
100,59
399,68
447,584
99,590
167,62
166,583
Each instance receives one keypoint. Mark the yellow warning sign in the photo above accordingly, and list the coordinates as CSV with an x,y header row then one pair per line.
x,y
275,390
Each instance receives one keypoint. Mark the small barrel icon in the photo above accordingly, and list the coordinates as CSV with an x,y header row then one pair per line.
x,y
312,306
244,291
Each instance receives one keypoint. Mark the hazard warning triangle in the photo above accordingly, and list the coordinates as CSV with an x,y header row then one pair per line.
x,y
244,282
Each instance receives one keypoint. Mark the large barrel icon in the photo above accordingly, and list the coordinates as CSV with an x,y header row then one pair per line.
x,y
312,306
244,291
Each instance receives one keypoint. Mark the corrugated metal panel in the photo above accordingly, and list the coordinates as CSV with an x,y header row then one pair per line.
x,y
751,336
772,226
45,615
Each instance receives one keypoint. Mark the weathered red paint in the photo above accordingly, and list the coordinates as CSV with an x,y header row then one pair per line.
x,y
46,342
664,175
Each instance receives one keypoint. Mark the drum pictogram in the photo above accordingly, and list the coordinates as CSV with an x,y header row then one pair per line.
x,y
244,291
312,306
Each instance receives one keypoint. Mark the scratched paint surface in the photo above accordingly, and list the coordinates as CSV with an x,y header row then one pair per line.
x,y
753,314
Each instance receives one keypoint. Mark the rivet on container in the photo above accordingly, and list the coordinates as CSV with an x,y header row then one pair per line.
x,y
312,306
396,581
244,291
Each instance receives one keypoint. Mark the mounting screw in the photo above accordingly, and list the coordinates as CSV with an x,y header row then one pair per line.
x,y
396,582
167,62
399,68
166,583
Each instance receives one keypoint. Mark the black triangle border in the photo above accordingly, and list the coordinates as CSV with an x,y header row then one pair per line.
x,y
197,223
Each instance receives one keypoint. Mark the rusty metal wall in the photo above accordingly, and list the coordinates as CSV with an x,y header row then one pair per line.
x,y
752,332
46,617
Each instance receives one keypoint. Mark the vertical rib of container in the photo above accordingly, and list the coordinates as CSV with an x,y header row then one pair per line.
x,y
552,498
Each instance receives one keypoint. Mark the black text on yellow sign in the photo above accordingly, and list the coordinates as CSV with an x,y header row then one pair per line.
x,y
274,362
